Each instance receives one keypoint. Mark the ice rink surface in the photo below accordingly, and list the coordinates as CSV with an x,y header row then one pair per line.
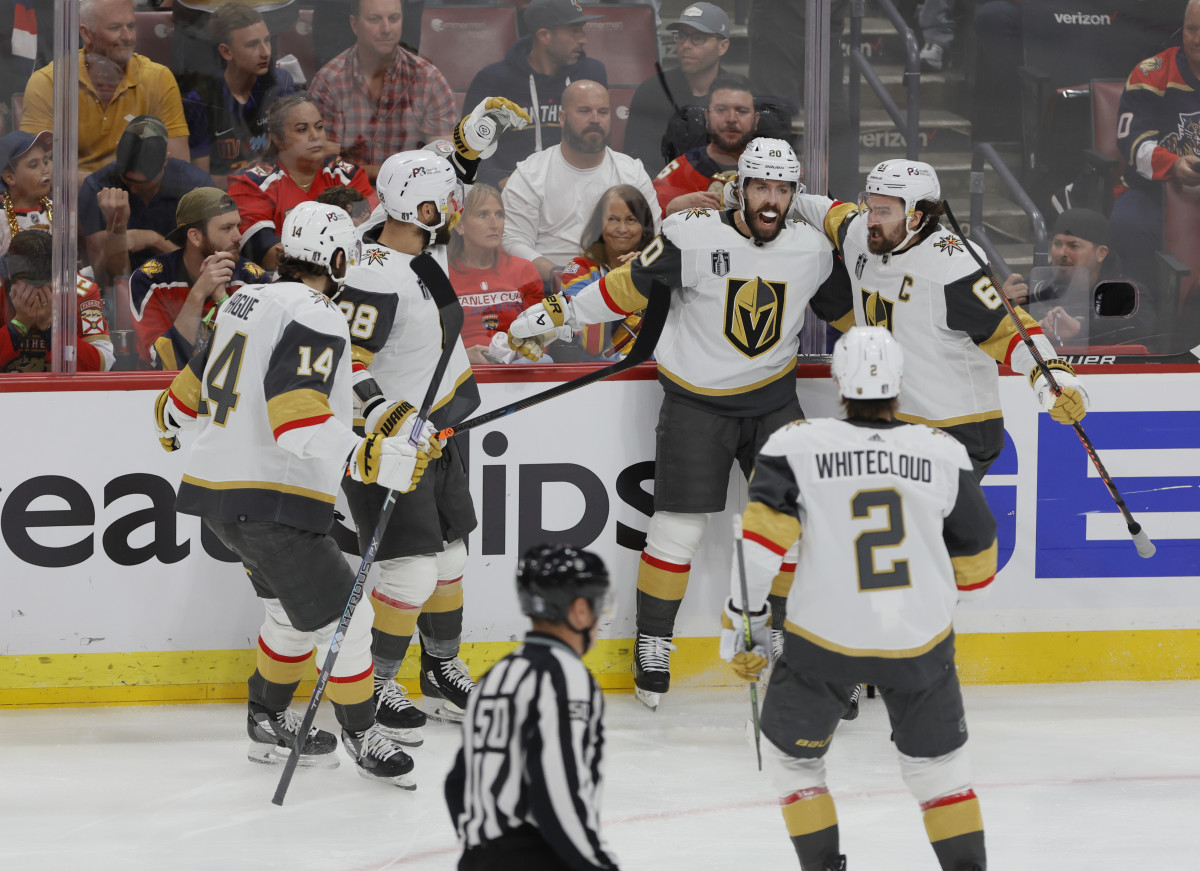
x,y
1072,777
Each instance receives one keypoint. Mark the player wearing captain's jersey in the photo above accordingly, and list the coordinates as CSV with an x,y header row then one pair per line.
x,y
739,284
396,341
272,398
918,280
893,530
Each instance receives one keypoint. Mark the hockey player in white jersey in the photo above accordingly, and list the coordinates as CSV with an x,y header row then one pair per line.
x,y
271,397
918,280
740,281
396,340
893,530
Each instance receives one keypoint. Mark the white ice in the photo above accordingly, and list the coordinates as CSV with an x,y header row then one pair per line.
x,y
1077,777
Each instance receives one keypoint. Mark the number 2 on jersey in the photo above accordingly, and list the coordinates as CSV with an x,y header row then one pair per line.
x,y
888,536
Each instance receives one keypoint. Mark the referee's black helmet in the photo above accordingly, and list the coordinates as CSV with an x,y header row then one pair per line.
x,y
551,577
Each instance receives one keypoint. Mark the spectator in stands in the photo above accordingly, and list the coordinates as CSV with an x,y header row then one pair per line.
x,y
331,33
620,226
348,199
1082,259
26,306
492,285
175,296
534,74
378,99
296,168
125,205
695,180
936,19
115,84
1159,137
194,53
667,113
227,113
547,198
25,165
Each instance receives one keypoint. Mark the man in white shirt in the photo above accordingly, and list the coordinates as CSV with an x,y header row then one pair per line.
x,y
549,198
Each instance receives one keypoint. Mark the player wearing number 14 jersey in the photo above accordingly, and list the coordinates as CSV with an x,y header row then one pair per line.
x,y
919,281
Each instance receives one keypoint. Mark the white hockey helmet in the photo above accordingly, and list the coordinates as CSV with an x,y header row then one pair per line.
x,y
410,178
771,159
314,232
868,364
909,180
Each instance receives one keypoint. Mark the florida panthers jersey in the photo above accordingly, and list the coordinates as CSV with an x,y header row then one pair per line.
x,y
730,341
942,309
272,397
893,530
396,334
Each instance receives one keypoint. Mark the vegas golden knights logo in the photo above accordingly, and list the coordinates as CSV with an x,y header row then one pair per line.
x,y
754,314
878,310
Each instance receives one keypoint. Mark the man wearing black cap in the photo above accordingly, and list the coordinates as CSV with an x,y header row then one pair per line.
x,y
25,166
175,296
26,306
123,206
679,98
535,71
1081,259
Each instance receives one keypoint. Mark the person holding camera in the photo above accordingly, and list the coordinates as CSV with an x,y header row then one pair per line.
x,y
1085,289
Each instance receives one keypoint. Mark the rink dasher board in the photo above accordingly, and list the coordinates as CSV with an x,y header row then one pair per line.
x,y
110,596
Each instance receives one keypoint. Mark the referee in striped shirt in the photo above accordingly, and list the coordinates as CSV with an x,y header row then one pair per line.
x,y
525,788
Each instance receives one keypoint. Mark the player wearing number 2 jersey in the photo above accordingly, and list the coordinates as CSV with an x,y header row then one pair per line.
x,y
893,530
919,281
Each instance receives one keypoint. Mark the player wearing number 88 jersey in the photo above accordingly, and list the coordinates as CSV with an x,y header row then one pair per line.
x,y
919,281
893,530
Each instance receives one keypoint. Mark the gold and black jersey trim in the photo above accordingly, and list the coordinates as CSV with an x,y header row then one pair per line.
x,y
371,317
838,221
303,359
234,501
874,653
975,570
748,400
950,421
773,529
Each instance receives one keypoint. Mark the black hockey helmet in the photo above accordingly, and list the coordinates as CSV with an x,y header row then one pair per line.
x,y
551,577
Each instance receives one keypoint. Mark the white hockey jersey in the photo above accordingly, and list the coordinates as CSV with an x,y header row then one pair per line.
x,y
893,530
737,306
396,334
272,397
941,308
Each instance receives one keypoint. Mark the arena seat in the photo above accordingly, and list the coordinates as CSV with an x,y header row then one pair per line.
x,y
1178,288
625,40
154,31
461,40
1103,159
620,99
297,40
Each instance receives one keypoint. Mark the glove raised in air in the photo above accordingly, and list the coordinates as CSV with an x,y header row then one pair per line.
x,y
747,664
477,135
1072,404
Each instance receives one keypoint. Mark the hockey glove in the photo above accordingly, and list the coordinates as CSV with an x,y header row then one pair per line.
x,y
624,335
391,463
747,664
532,349
476,135
396,421
1072,405
166,425
550,319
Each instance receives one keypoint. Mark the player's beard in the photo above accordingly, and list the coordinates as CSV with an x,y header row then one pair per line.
x,y
882,245
751,218
441,236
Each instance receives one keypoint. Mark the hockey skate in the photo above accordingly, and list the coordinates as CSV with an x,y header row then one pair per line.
x,y
446,681
396,716
652,668
852,711
379,757
273,734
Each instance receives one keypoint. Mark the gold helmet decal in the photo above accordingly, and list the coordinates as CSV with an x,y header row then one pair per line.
x,y
877,309
754,314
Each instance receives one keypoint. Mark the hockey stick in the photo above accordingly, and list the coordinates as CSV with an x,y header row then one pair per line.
x,y
643,347
741,565
451,315
1145,547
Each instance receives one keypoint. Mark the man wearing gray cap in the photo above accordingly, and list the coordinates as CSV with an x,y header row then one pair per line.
x,y
534,73
701,40
26,306
175,296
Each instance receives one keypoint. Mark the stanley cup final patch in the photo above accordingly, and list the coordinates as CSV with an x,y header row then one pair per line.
x,y
720,263
860,265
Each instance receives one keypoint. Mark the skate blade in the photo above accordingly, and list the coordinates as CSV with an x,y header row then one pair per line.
x,y
269,754
404,781
647,698
443,711
407,737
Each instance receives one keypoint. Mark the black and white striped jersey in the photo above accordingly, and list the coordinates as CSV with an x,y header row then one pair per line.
x,y
532,747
